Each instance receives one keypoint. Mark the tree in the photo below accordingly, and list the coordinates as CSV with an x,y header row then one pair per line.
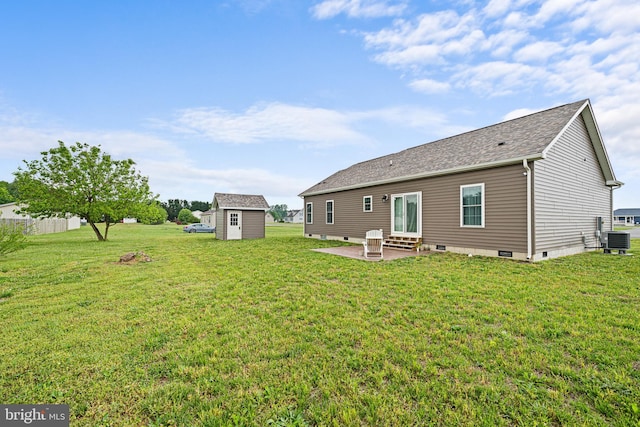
x,y
173,207
199,206
185,216
156,214
279,212
5,193
82,180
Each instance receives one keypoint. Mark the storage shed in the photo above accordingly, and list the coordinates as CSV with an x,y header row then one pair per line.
x,y
239,216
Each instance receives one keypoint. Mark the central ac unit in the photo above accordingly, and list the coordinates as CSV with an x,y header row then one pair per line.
x,y
618,240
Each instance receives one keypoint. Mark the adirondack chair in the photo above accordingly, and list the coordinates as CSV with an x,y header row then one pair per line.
x,y
373,243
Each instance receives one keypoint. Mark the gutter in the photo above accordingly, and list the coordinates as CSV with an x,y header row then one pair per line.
x,y
528,174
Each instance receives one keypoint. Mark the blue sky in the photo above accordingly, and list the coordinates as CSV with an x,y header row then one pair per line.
x,y
271,96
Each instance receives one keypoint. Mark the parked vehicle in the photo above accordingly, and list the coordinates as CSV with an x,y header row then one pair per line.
x,y
199,228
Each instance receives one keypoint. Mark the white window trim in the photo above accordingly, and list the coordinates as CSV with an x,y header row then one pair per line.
x,y
419,216
370,204
333,212
482,205
308,213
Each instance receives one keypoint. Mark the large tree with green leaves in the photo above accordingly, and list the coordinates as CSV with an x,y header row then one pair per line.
x,y
5,193
82,180
279,212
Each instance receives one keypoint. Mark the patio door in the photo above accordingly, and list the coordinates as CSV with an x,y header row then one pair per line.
x,y
406,214
234,225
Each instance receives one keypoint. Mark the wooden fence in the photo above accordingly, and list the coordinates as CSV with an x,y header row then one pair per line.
x,y
37,226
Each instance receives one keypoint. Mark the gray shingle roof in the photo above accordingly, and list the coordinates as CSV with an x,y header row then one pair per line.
x,y
627,212
510,141
240,201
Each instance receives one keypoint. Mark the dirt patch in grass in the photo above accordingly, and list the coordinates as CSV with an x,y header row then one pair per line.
x,y
134,258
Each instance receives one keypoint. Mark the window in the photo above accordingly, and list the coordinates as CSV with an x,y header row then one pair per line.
x,y
309,213
233,220
472,205
329,211
367,204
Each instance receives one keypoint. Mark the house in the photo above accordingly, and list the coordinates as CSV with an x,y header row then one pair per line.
x,y
239,216
626,217
208,217
295,216
531,188
197,214
8,214
268,218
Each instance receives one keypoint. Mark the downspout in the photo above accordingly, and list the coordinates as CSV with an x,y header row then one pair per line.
x,y
613,187
525,165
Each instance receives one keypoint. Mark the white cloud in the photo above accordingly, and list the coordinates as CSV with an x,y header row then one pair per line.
x,y
539,51
498,78
358,8
187,180
555,9
502,44
496,8
429,86
412,56
267,122
607,16
520,112
436,28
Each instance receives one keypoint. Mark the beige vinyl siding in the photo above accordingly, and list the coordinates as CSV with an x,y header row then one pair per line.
x,y
505,219
569,193
253,224
348,218
505,210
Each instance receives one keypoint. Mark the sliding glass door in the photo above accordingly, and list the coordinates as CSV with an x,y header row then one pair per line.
x,y
406,217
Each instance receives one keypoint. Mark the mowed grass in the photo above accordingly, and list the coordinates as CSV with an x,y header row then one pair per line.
x,y
268,332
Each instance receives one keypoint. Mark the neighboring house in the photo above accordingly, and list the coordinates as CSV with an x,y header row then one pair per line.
x,y
531,188
268,218
129,220
626,217
197,214
239,216
208,217
295,216
37,225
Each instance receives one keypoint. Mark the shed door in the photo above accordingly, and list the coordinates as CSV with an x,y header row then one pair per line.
x,y
234,225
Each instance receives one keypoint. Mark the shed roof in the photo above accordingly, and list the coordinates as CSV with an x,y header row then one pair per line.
x,y
240,201
509,142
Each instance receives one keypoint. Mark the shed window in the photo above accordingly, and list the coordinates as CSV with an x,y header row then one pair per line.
x,y
367,204
309,213
472,205
233,220
329,211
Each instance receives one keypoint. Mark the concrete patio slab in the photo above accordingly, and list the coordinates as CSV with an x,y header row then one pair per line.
x,y
356,252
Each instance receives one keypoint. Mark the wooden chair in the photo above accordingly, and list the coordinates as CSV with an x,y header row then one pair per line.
x,y
373,243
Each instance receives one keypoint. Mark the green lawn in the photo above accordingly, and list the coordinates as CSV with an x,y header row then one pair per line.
x,y
267,332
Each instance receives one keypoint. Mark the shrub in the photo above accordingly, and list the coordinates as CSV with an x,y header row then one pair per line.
x,y
185,216
155,215
12,237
